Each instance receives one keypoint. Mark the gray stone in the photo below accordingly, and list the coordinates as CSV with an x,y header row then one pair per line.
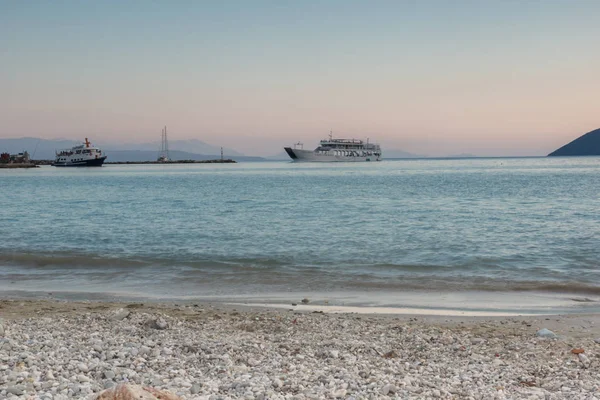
x,y
119,315
546,333
108,384
109,374
158,323
16,390
195,389
387,389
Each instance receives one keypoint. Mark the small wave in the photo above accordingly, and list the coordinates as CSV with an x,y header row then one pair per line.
x,y
268,273
79,260
566,287
462,285
66,260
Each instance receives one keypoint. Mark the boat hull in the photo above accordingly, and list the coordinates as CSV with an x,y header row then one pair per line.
x,y
94,162
312,156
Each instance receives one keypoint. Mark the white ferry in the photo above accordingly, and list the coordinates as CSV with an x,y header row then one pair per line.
x,y
84,155
331,150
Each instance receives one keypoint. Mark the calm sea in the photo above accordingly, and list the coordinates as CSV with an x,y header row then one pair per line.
x,y
348,232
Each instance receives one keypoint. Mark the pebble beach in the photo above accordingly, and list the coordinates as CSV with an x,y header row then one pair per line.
x,y
65,349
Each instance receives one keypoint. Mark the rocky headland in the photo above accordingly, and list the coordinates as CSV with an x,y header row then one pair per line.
x,y
585,145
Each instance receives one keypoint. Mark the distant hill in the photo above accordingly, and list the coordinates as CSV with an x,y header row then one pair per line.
x,y
279,157
586,145
192,146
462,155
39,149
44,149
175,155
393,153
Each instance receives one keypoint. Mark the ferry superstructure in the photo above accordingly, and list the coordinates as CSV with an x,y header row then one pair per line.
x,y
337,150
84,155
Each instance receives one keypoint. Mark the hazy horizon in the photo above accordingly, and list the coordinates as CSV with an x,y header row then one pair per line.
x,y
431,77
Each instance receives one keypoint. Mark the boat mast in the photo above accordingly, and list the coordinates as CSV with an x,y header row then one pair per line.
x,y
164,146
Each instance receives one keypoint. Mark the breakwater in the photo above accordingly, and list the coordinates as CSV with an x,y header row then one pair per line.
x,y
18,165
35,163
218,161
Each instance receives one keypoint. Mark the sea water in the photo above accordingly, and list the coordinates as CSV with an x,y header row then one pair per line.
x,y
420,233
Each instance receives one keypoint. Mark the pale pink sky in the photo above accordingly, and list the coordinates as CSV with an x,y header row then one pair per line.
x,y
500,78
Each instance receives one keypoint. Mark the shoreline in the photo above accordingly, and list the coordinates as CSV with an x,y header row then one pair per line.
x,y
22,308
57,349
467,303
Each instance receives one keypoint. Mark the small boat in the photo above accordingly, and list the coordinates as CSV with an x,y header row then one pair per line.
x,y
332,150
84,155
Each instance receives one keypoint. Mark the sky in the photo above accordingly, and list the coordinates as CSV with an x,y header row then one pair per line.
x,y
490,78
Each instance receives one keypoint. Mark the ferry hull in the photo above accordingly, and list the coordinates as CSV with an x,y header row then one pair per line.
x,y
96,162
311,156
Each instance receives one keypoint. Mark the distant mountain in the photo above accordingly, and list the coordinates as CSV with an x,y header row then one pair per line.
x,y
175,155
39,149
279,157
192,146
586,145
43,149
462,155
399,154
